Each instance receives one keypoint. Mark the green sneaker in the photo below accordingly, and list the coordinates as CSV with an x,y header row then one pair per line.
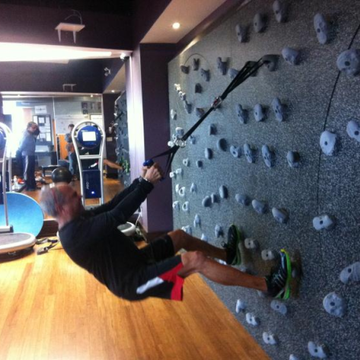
x,y
278,282
232,247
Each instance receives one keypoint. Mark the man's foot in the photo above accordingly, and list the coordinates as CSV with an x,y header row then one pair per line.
x,y
233,254
278,282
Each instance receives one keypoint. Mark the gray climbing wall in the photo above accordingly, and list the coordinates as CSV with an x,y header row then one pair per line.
x,y
315,97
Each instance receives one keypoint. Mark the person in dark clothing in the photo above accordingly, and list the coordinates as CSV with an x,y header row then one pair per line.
x,y
27,150
92,240
73,165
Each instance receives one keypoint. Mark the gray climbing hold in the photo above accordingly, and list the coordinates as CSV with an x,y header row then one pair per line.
x,y
279,109
182,191
193,188
223,191
242,114
214,198
208,154
291,56
199,164
204,238
241,33
187,229
182,95
269,255
249,153
198,88
185,69
334,304
243,199
252,319
350,273
199,112
185,206
318,351
212,129
293,159
323,222
353,130
179,132
205,74
328,143
219,231
259,113
176,205
173,114
240,306
172,174
197,221
235,151
280,11
188,107
280,215
279,307
259,207
222,144
259,22
322,28
222,65
186,162
192,139
270,338
270,62
177,87
177,188
179,171
207,201
261,294
268,156
349,62
196,64
251,244
293,357
232,73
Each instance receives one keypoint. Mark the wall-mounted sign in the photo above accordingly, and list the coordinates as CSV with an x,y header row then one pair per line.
x,y
40,109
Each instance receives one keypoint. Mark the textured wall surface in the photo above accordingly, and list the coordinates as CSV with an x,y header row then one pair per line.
x,y
316,97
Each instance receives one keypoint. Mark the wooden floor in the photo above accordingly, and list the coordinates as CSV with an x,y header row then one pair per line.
x,y
52,309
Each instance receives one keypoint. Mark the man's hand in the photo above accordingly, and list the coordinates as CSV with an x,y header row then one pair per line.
x,y
152,174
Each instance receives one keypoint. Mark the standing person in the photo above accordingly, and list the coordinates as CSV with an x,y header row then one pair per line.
x,y
73,165
27,150
92,240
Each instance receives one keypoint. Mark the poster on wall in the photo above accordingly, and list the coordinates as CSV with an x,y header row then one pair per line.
x,y
62,122
40,109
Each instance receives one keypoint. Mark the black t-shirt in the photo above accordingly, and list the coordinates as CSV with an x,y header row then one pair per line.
x,y
94,242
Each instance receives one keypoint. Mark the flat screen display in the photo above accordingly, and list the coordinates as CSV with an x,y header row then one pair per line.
x,y
89,136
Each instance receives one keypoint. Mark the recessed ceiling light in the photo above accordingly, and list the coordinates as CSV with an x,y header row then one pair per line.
x,y
113,91
176,25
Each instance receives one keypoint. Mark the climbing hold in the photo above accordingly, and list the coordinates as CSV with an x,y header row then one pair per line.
x,y
322,28
214,198
204,238
207,201
182,95
243,199
196,64
259,207
293,159
259,113
176,205
187,229
193,188
349,62
251,244
269,338
179,171
208,154
280,215
185,206
222,66
173,114
205,74
182,191
334,304
242,114
177,188
179,132
232,73
353,130
328,142
323,222
222,144
186,162
223,191
199,112
235,151
291,56
188,107
199,163
185,69
177,87
318,351
192,139
293,357
280,11
197,221
241,33
279,307
270,62
172,174
240,306
259,22
279,109
212,129
350,273
219,231
249,153
269,255
198,88
268,156
252,319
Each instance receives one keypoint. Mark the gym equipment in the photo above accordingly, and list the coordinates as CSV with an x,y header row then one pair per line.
x,y
88,139
61,174
21,214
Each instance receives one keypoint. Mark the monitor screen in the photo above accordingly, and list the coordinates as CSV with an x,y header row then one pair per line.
x,y
89,136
